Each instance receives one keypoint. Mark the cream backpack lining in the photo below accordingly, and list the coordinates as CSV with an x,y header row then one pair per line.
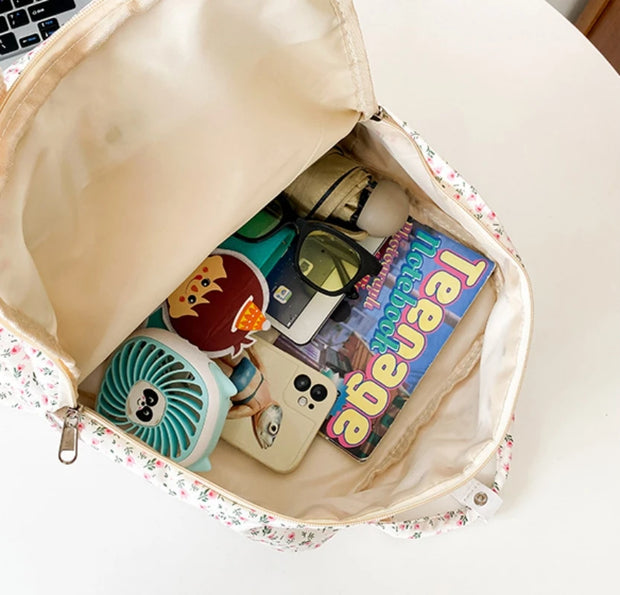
x,y
131,156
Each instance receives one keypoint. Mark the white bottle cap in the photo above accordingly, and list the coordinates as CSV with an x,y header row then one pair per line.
x,y
385,211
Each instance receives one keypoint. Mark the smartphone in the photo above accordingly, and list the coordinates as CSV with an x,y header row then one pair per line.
x,y
295,400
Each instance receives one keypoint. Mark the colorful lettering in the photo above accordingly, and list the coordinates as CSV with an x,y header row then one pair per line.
x,y
472,271
366,395
388,371
427,315
349,427
445,287
401,334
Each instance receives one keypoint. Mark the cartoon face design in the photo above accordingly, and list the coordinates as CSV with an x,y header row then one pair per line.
x,y
145,404
222,324
193,290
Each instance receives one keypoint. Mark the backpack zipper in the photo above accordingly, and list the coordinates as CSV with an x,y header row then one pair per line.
x,y
73,415
68,449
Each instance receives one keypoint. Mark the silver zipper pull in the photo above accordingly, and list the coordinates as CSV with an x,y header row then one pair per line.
x,y
68,451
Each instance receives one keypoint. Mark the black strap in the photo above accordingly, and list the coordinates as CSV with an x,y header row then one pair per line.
x,y
333,187
362,201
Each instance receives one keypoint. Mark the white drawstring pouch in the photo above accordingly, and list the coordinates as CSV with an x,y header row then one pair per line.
x,y
140,136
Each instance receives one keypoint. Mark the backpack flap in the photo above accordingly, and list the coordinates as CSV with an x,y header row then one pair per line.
x,y
145,132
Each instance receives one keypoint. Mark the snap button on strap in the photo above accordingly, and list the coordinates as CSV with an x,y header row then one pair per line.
x,y
478,498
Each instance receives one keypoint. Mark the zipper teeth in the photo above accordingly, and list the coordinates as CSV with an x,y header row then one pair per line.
x,y
385,117
318,523
87,412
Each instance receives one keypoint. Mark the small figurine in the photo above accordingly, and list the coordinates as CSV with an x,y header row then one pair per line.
x,y
338,189
253,398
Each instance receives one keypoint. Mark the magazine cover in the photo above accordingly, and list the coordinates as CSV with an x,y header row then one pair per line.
x,y
377,347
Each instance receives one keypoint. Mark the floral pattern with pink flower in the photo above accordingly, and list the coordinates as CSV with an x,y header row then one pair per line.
x,y
448,521
457,187
28,378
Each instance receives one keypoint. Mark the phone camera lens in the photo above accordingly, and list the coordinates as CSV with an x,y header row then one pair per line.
x,y
302,382
318,392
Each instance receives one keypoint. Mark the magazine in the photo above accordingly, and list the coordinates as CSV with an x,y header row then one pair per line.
x,y
377,347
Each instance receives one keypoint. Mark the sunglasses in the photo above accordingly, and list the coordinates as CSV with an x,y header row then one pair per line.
x,y
326,259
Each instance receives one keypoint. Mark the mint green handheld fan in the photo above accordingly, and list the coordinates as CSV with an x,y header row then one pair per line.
x,y
164,391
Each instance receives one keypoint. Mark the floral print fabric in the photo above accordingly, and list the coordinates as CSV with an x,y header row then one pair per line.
x,y
192,489
459,189
258,525
28,378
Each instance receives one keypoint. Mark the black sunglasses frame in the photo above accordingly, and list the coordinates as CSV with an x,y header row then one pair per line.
x,y
369,263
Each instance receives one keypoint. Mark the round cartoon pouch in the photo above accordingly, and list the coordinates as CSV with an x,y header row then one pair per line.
x,y
220,305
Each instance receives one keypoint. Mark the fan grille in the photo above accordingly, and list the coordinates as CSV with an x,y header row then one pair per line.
x,y
185,393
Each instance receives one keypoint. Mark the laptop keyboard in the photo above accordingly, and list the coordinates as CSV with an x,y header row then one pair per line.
x,y
25,23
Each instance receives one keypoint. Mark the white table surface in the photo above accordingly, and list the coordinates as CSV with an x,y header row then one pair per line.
x,y
505,91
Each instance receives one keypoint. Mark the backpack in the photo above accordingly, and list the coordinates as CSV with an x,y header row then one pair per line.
x,y
127,157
